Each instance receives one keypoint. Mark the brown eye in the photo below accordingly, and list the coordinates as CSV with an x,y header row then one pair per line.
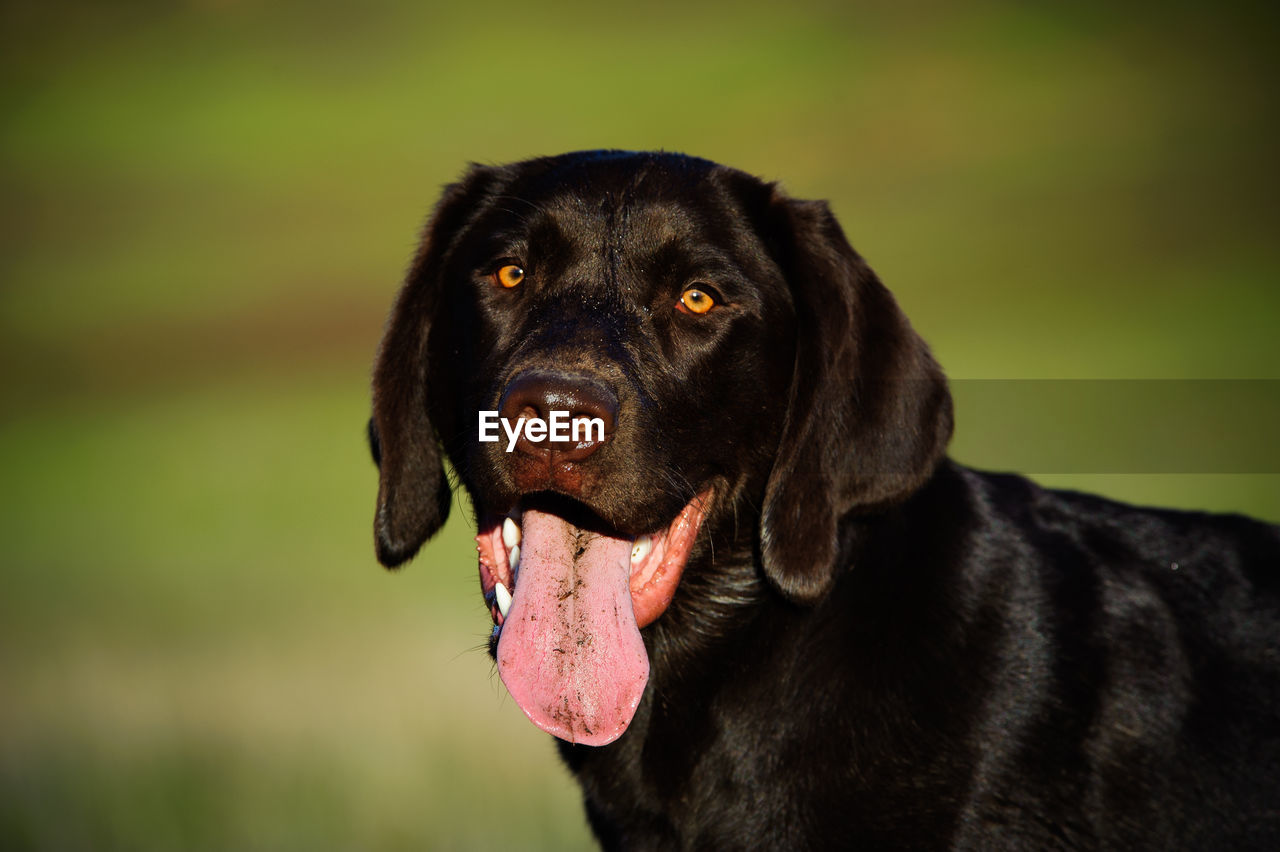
x,y
509,276
696,301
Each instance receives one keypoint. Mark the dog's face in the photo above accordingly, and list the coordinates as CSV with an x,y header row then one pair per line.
x,y
578,278
735,358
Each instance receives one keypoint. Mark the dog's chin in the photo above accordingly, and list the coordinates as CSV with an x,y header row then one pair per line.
x,y
569,595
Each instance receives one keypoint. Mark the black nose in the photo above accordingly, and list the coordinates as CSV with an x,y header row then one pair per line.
x,y
572,400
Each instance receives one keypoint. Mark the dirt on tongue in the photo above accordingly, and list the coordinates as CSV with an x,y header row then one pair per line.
x,y
570,652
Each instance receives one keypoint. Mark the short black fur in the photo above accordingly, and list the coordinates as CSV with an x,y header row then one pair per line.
x,y
872,647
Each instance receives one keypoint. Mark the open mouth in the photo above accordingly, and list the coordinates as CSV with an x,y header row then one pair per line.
x,y
568,596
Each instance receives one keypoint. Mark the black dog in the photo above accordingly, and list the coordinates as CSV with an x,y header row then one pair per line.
x,y
758,604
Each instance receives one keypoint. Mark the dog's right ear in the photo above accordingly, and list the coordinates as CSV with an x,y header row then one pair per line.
x,y
413,492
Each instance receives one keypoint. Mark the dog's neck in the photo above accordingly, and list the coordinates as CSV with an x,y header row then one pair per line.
x,y
728,625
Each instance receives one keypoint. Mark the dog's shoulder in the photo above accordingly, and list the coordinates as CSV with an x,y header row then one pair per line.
x,y
1217,575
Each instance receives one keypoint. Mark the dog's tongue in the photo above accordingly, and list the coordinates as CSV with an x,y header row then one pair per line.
x,y
570,651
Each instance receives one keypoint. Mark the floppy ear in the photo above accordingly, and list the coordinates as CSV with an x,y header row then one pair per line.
x,y
869,414
413,493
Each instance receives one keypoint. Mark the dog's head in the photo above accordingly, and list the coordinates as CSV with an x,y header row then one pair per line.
x,y
726,355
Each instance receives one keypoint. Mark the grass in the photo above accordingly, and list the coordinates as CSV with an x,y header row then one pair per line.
x,y
208,208
205,655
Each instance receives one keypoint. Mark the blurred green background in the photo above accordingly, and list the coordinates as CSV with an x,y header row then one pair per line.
x,y
207,209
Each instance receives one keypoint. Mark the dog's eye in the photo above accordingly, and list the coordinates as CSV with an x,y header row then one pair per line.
x,y
509,276
695,301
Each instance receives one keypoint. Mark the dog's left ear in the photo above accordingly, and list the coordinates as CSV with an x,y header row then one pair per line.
x,y
869,414
413,493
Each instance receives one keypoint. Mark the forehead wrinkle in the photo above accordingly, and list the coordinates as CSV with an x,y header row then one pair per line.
x,y
671,230
660,222
614,214
656,233
516,220
655,228
597,223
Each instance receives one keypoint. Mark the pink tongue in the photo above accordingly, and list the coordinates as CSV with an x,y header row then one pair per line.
x,y
570,652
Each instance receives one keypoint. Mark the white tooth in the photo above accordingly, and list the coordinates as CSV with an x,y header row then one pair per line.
x,y
504,599
641,548
513,557
510,533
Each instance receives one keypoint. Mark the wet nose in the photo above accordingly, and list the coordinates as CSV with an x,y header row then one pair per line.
x,y
543,395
